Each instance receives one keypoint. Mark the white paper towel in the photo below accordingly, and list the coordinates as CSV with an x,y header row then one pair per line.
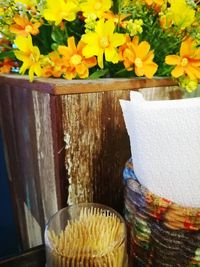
x,y
165,146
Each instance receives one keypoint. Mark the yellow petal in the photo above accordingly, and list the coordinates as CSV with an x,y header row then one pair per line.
x,y
142,49
100,27
31,74
111,55
139,71
23,43
117,39
150,70
37,69
100,59
172,60
177,71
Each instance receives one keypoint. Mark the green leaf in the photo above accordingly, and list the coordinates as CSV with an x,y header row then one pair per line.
x,y
5,54
59,36
98,74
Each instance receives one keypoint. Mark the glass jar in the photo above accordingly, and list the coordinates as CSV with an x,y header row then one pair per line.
x,y
86,235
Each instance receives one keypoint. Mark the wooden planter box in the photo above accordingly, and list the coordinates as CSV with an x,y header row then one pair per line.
x,y
65,143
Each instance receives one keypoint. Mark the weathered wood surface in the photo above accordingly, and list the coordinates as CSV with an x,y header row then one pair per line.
x,y
62,87
65,147
31,155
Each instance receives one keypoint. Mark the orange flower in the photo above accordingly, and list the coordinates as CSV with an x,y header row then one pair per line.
x,y
75,62
6,65
188,62
156,4
53,65
23,26
117,18
138,56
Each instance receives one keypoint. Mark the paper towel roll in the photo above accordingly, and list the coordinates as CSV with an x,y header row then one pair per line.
x,y
165,146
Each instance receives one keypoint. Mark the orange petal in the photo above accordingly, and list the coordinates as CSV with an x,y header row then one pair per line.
x,y
149,57
90,62
71,43
193,72
135,40
129,54
142,50
172,60
186,47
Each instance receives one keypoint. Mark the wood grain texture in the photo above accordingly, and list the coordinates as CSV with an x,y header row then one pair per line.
x,y
96,147
63,87
28,176
45,153
160,93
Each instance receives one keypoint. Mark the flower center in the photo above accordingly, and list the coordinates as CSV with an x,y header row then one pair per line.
x,y
32,57
28,28
138,62
184,62
104,42
97,6
76,59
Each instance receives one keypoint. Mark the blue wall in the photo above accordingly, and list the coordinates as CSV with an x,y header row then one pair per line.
x,y
9,242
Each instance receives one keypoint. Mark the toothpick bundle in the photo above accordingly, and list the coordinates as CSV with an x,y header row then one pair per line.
x,y
95,239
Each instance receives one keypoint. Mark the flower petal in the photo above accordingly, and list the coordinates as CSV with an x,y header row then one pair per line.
x,y
118,39
111,55
172,60
142,49
186,47
177,71
150,69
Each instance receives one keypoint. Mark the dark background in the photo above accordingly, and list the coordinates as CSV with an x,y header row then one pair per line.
x,y
9,242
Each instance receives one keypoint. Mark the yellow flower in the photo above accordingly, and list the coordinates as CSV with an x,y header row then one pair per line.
x,y
103,41
23,26
59,10
188,62
97,7
75,62
138,56
29,55
181,13
133,27
188,84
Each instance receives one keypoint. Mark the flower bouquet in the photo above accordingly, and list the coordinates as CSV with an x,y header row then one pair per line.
x,y
92,39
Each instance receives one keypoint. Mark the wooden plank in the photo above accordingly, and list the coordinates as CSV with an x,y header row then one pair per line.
x,y
97,147
62,87
7,125
32,258
61,178
27,179
162,93
45,153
